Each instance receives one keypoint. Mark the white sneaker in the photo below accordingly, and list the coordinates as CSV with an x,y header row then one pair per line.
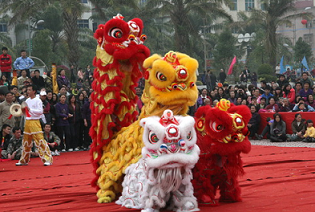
x,y
53,153
57,153
76,149
63,150
21,164
47,164
70,150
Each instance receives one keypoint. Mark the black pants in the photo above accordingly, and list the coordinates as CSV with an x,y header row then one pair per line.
x,y
278,138
252,130
79,127
64,131
87,137
74,139
266,130
52,149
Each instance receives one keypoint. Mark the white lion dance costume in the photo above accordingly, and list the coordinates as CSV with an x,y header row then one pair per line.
x,y
163,175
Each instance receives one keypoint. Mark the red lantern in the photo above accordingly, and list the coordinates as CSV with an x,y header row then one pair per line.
x,y
304,21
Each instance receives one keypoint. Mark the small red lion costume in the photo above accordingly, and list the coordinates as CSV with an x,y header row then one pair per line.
x,y
222,137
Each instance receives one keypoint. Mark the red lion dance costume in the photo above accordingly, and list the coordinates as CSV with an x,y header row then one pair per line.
x,y
119,54
222,137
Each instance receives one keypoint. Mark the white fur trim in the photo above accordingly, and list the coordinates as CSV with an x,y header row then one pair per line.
x,y
181,159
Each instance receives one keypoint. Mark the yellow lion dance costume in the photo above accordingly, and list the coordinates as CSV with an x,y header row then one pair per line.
x,y
169,84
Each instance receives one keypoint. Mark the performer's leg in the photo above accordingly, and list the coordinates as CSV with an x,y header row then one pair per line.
x,y
42,147
27,146
230,191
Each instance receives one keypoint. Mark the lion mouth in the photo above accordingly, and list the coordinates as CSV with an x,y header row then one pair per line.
x,y
233,138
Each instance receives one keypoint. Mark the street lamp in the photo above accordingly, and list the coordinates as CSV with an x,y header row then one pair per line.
x,y
30,33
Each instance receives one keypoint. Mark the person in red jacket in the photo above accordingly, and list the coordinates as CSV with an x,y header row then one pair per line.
x,y
5,63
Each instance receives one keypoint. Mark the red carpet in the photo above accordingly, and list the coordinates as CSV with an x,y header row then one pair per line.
x,y
277,179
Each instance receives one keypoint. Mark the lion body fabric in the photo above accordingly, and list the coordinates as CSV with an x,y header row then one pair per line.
x,y
222,137
119,54
163,174
169,84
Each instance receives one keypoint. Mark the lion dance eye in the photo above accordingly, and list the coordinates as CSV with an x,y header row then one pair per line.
x,y
189,136
116,33
153,138
160,76
216,127
143,37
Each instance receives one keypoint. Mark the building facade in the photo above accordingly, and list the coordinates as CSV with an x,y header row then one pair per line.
x,y
292,31
83,22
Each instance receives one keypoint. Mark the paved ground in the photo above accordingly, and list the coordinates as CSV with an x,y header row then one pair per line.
x,y
266,142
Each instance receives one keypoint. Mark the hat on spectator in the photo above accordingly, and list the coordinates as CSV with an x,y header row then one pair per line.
x,y
43,93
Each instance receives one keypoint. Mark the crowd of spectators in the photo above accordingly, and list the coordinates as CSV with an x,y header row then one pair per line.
x,y
67,116
287,94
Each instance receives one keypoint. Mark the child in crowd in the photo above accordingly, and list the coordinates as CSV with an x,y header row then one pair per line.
x,y
309,135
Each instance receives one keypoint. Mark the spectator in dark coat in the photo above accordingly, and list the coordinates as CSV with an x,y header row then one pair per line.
x,y
38,80
52,139
86,115
241,93
246,72
15,146
88,72
222,76
80,123
213,80
254,79
305,79
278,129
306,91
46,106
72,74
282,81
232,97
5,139
75,110
62,115
221,94
298,128
253,124
62,80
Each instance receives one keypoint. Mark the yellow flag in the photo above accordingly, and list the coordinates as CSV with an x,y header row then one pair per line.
x,y
54,78
14,79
